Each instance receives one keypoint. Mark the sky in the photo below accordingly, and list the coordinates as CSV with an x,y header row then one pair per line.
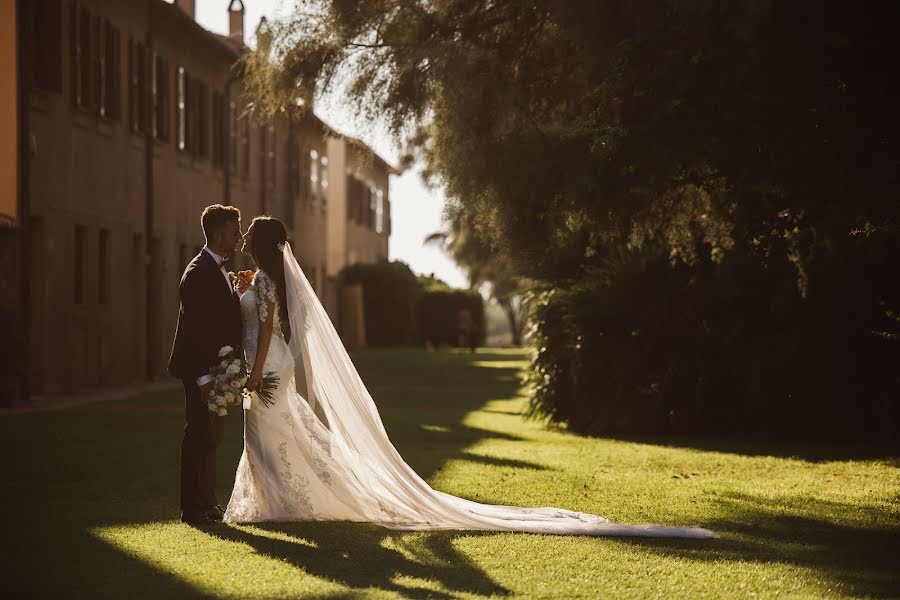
x,y
415,209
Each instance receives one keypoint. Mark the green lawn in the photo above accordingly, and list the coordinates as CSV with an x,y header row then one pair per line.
x,y
90,497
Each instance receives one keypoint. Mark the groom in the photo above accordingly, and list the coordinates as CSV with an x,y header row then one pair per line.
x,y
209,318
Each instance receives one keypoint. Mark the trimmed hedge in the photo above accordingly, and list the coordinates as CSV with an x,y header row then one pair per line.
x,y
436,316
390,293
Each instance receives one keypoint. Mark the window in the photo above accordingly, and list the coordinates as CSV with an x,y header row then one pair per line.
x,y
370,213
192,115
303,186
313,177
180,110
218,130
80,39
137,86
97,78
263,146
271,156
44,36
201,115
379,212
352,192
245,144
112,69
293,177
103,268
78,270
323,181
95,63
160,96
232,135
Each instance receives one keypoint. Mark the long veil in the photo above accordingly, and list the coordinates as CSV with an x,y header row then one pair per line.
x,y
374,481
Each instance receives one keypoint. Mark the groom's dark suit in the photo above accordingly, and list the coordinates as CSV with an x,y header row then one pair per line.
x,y
209,318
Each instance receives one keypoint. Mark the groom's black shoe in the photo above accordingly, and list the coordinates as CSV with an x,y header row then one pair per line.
x,y
214,514
194,520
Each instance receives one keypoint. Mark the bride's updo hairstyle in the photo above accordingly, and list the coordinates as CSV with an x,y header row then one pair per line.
x,y
268,233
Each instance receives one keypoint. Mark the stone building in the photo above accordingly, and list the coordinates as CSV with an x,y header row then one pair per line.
x,y
135,122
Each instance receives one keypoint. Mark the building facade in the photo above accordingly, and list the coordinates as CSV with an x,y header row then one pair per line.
x,y
136,122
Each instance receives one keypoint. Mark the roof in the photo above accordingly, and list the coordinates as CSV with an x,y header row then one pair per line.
x,y
236,48
218,41
393,170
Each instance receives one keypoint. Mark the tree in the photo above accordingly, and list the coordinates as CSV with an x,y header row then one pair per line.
x,y
484,264
745,140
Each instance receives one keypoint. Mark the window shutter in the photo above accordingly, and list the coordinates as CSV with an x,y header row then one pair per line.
x,y
132,85
74,55
44,38
113,70
85,58
97,66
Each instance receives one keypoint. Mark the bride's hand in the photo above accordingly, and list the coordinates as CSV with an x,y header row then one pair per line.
x,y
254,380
244,279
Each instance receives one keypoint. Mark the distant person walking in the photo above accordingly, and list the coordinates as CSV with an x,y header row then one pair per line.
x,y
466,329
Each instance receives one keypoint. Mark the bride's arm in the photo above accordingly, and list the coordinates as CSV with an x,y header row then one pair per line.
x,y
262,346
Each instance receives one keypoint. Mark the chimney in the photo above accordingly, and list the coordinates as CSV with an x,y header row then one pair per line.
x,y
187,6
236,20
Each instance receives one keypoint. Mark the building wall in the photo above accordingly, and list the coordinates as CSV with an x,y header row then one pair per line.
x,y
364,242
92,186
9,164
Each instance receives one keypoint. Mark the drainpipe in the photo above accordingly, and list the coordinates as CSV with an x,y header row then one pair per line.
x,y
23,67
148,216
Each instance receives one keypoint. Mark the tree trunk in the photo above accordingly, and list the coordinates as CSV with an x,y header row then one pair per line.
x,y
514,321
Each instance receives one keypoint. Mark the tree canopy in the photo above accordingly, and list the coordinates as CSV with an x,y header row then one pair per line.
x,y
753,145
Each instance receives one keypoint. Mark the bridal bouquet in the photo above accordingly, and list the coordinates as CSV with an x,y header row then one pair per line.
x,y
230,378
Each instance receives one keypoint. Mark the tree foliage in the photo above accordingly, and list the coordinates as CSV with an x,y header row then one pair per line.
x,y
485,264
743,141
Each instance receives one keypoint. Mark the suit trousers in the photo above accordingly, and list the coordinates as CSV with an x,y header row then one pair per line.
x,y
202,436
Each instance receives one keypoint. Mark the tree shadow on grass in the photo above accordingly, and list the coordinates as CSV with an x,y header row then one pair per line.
x,y
810,450
116,463
860,555
355,555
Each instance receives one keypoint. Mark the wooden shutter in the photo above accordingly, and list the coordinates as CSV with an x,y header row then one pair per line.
x,y
113,67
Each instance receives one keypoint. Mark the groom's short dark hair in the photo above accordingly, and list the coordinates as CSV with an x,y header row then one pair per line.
x,y
215,216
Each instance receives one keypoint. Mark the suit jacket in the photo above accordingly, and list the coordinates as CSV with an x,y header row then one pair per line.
x,y
209,318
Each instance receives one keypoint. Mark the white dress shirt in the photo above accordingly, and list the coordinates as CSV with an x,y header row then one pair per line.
x,y
221,262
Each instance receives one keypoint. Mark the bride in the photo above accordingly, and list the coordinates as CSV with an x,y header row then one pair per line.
x,y
297,466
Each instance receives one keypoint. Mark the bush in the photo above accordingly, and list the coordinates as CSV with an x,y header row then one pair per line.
x,y
390,293
436,315
636,345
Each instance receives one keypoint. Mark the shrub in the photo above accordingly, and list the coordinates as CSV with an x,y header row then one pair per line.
x,y
636,345
390,293
436,315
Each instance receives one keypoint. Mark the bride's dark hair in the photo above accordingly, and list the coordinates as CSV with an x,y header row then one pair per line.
x,y
267,234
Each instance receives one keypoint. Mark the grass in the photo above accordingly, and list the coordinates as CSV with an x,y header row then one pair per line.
x,y
90,501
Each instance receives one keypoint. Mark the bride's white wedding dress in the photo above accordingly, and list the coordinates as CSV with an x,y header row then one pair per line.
x,y
298,467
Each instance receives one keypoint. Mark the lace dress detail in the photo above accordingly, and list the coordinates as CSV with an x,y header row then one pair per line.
x,y
284,473
266,293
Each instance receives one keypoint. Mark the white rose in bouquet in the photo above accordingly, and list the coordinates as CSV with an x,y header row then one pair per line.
x,y
225,350
233,369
